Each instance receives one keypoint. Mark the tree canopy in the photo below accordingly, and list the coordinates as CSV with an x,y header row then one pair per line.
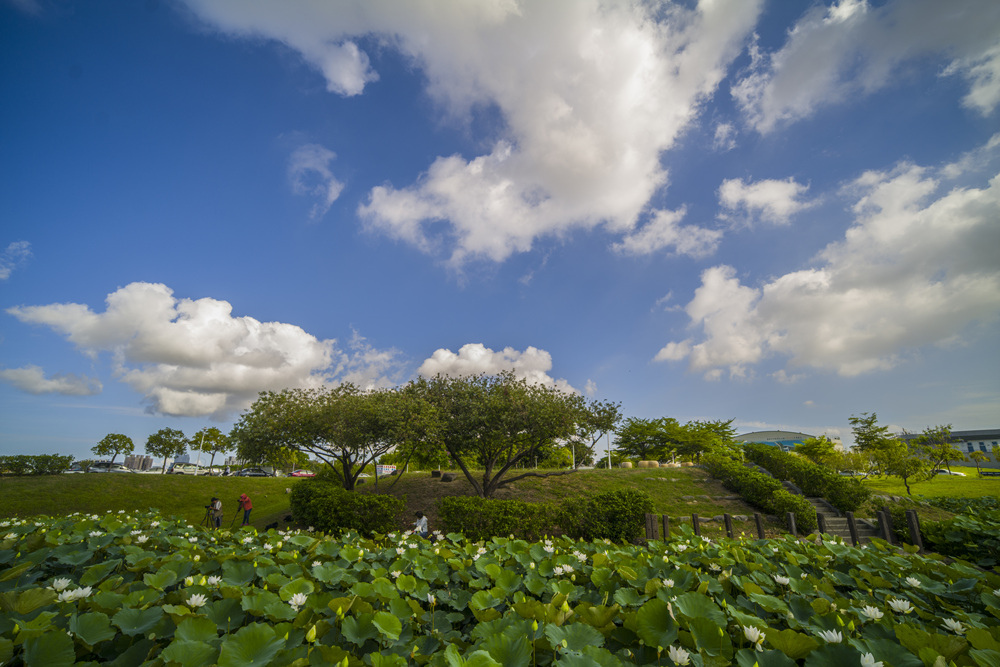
x,y
112,445
166,443
211,441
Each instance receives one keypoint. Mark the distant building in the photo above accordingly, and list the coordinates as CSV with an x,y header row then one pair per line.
x,y
138,462
786,440
183,458
983,440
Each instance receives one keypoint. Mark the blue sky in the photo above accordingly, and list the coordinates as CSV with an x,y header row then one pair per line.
x,y
779,213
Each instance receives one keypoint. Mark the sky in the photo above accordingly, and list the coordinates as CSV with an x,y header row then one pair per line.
x,y
779,213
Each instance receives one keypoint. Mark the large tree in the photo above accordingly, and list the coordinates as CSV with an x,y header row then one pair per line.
x,y
873,441
211,440
500,421
343,426
112,445
168,443
594,421
820,451
939,447
644,438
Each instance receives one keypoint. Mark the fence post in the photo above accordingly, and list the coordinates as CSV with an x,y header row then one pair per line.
x,y
914,525
666,527
852,526
883,526
888,523
791,523
760,525
650,526
821,523
696,525
729,524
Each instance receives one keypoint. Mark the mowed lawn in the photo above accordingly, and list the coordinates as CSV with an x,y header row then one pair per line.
x,y
940,486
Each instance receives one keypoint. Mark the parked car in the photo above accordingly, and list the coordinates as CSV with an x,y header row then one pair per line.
x,y
302,473
104,466
948,472
186,469
74,469
253,472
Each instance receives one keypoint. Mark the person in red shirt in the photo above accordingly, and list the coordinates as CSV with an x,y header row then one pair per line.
x,y
246,506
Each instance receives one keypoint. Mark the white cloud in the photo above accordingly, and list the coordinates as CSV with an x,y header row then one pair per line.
x,y
664,231
13,256
32,380
770,201
590,95
848,49
917,267
590,388
532,365
193,358
725,137
309,173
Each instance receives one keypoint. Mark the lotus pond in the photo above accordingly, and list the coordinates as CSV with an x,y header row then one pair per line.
x,y
127,589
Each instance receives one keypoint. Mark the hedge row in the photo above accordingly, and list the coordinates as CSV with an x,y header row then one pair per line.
x,y
42,464
761,491
615,515
331,509
845,493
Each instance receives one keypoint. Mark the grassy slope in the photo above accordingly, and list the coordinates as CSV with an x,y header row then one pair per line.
x,y
676,492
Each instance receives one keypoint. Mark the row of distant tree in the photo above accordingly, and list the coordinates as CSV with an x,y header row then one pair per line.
x,y
167,443
877,452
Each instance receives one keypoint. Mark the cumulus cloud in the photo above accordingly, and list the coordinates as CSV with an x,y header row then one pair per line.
x,y
849,48
664,231
589,93
725,137
32,380
310,175
532,365
12,257
916,268
194,358
769,201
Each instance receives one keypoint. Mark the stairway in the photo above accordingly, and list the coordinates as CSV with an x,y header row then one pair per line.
x,y
836,523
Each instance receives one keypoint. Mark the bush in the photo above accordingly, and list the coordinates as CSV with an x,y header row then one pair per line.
x,y
619,516
845,493
330,508
972,538
482,518
761,491
42,464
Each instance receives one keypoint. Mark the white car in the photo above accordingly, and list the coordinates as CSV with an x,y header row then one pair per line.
x,y
104,466
948,472
186,469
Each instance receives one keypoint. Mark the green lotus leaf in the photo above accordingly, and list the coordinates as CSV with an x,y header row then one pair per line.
x,y
834,655
161,579
196,629
92,628
388,660
26,601
6,650
474,659
654,624
535,584
72,554
388,625
981,638
709,637
769,603
16,571
598,616
252,646
600,575
359,629
751,658
52,649
226,613
629,597
137,621
384,588
577,636
915,639
276,580
295,586
509,651
484,600
694,605
238,572
793,644
190,653
406,583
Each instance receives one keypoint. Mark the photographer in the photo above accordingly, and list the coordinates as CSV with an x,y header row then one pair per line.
x,y
246,506
215,508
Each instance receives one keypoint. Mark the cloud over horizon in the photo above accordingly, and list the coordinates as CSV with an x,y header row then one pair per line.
x,y
532,365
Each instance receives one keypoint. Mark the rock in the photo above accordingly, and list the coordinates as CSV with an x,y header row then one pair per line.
x,y
448,477
435,473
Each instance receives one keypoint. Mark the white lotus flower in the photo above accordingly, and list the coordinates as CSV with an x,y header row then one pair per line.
x,y
913,581
95,533
267,546
753,634
669,583
954,626
316,563
192,540
803,576
142,539
780,580
155,524
715,568
582,557
135,532
197,600
681,547
431,599
902,606
66,596
247,540
214,580
557,570
548,549
868,660
831,636
60,584
395,574
298,600
874,613
679,656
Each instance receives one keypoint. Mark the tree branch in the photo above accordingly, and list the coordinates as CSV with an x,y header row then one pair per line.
x,y
535,474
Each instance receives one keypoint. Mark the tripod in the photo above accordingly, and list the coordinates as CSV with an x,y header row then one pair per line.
x,y
233,522
208,521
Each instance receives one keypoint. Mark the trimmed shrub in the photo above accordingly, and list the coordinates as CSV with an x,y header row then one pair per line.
x,y
761,491
845,493
330,508
482,518
619,516
42,464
